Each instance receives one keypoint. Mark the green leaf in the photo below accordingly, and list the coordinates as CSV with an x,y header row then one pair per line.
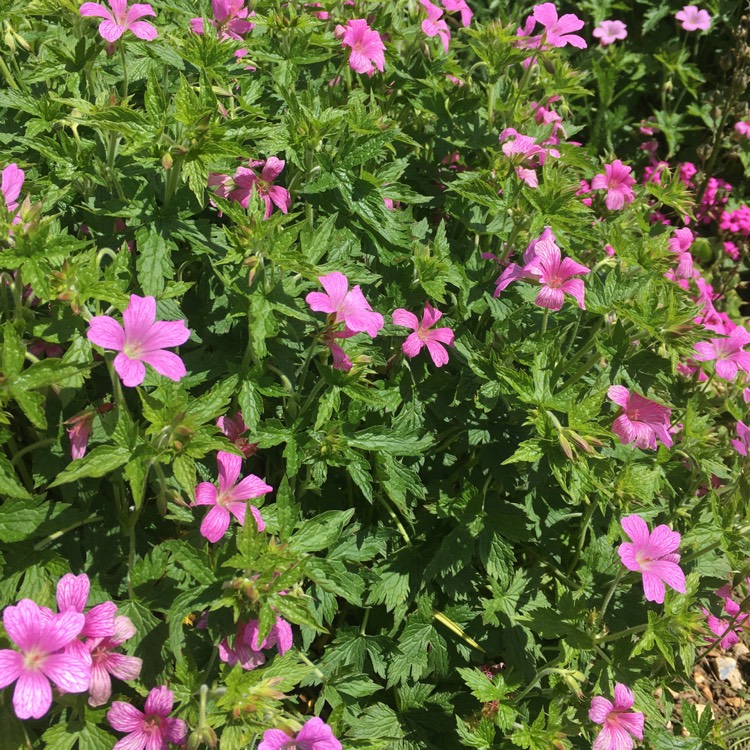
x,y
20,518
384,439
320,532
14,351
100,461
154,262
214,403
10,486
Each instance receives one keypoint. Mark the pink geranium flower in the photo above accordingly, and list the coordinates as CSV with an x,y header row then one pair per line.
x,y
12,182
618,182
742,445
719,627
150,729
314,735
234,429
620,724
728,353
453,6
367,48
555,274
272,195
140,339
107,663
229,20
41,636
654,555
247,652
434,25
693,19
230,498
435,340
99,622
348,307
121,19
608,32
641,421
742,127
341,359
557,31
79,432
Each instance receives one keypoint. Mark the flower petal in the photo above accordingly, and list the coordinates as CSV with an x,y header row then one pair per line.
x,y
159,701
68,672
131,371
406,319
165,363
11,666
251,486
144,30
600,709
215,523
96,9
32,696
106,332
206,494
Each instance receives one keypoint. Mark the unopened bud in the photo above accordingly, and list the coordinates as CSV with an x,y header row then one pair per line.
x,y
167,161
202,736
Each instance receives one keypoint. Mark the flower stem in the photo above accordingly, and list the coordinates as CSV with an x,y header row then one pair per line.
x,y
124,60
621,634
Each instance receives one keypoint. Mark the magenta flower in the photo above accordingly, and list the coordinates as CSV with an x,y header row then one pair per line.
x,y
234,428
555,274
742,445
140,339
229,20
12,182
367,48
742,127
79,432
247,652
121,19
341,359
41,637
349,307
151,729
453,6
620,724
693,19
719,627
272,195
557,31
434,25
107,663
314,735
99,621
618,183
608,32
435,340
654,555
728,353
641,421
230,498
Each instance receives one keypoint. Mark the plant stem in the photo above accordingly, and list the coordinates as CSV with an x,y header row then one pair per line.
x,y
610,593
582,539
538,676
124,60
318,673
621,634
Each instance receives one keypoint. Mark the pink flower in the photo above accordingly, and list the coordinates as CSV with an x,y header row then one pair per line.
x,y
618,182
652,554
230,498
719,627
555,274
141,339
246,181
433,25
41,637
453,6
341,359
693,19
742,445
557,32
349,307
105,661
367,47
743,127
121,19
99,621
79,432
608,32
12,182
618,720
728,353
642,420
152,729
247,652
680,244
229,20
435,340
234,428
314,735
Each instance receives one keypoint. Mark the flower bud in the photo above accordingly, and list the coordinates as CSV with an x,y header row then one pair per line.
x,y
202,736
167,161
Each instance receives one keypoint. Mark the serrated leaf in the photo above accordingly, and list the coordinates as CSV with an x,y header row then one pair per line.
x,y
100,461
